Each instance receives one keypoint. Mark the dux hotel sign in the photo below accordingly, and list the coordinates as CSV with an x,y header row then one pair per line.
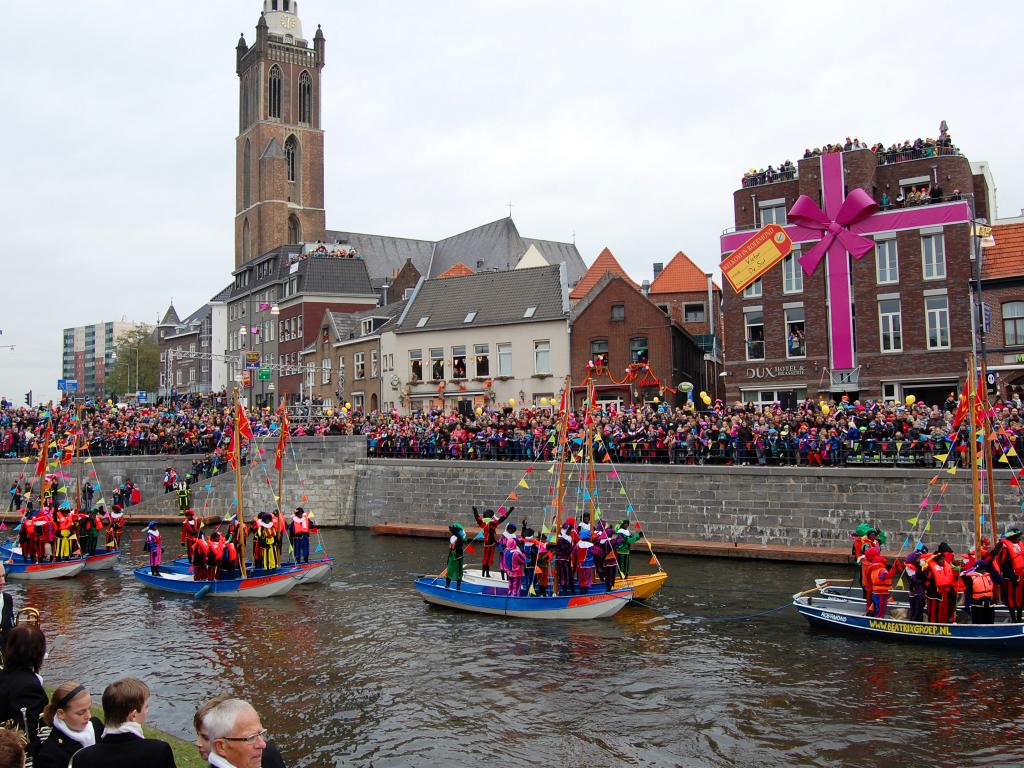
x,y
775,371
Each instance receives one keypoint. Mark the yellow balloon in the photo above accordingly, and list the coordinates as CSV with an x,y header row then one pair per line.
x,y
656,399
512,401
706,399
329,412
110,402
911,399
703,394
479,411
824,409
348,405
543,401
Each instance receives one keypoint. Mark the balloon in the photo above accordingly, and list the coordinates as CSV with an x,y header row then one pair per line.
x,y
657,399
512,401
824,409
685,386
910,399
479,411
110,402
543,401
329,412
703,394
706,398
348,405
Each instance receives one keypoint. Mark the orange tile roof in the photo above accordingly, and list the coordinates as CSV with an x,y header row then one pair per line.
x,y
681,275
603,264
457,269
1006,257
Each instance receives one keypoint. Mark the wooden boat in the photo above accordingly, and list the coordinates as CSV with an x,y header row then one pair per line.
x,y
258,584
28,571
101,561
305,573
482,599
643,585
845,614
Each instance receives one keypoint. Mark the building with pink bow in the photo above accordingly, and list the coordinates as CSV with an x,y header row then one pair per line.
x,y
874,300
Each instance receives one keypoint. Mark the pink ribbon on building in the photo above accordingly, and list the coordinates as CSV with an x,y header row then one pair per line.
x,y
857,206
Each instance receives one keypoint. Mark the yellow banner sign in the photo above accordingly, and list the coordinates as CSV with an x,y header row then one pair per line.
x,y
756,256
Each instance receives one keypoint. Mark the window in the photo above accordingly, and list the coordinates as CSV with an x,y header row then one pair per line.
x,y
618,311
291,151
192,347
530,312
366,327
505,359
483,359
416,364
373,364
694,312
341,370
933,254
796,344
275,91
599,351
887,265
305,98
422,321
773,214
437,363
163,380
357,402
542,357
890,325
664,308
294,236
359,364
937,321
325,371
177,376
638,349
246,185
470,317
310,374
792,274
753,323
191,375
459,362
1013,323
753,291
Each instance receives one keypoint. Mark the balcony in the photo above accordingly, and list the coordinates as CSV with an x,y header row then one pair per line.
x,y
770,176
907,154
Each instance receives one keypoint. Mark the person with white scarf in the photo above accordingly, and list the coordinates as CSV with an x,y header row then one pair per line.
x,y
69,714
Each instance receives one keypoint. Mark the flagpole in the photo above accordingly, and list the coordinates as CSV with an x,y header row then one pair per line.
x,y
236,449
973,443
78,464
282,441
561,447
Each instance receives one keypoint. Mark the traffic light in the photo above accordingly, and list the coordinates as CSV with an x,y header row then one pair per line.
x,y
28,398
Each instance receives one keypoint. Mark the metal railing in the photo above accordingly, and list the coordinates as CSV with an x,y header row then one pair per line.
x,y
905,155
770,176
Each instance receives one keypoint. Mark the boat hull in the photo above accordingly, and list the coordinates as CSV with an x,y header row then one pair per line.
x,y
181,583
40,571
100,562
643,585
843,615
305,573
898,599
497,602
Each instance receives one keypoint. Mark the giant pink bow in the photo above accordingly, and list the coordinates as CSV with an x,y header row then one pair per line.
x,y
857,206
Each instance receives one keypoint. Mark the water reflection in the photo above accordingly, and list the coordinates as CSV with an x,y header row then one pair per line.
x,y
361,671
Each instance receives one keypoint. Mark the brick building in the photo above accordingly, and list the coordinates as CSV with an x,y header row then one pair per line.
x,y
616,326
88,356
909,298
605,263
1002,291
192,349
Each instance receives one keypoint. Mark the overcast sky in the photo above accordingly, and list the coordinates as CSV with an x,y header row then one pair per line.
x,y
628,124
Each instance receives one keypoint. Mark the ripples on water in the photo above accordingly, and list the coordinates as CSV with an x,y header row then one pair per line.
x,y
360,671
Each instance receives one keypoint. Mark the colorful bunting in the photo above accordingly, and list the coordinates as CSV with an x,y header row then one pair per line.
x,y
952,470
913,521
513,496
942,457
523,484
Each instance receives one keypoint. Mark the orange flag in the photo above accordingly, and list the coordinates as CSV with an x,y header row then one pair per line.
x,y
513,496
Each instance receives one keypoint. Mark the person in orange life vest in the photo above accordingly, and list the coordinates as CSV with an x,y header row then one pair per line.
x,y
881,575
979,592
300,535
940,584
867,559
1008,556
216,550
489,525
190,528
861,542
199,553
65,533
154,547
585,561
516,566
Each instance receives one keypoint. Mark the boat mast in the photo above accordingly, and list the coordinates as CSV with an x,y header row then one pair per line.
x,y
972,427
560,449
240,522
76,458
588,436
280,459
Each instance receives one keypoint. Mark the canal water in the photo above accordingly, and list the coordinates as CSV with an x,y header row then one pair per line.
x,y
359,671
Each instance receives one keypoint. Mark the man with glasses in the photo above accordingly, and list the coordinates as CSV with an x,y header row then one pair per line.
x,y
230,735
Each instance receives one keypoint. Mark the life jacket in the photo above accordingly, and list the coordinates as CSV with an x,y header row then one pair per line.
x,y
217,549
279,522
1014,552
880,585
300,525
65,522
231,551
981,585
942,572
865,574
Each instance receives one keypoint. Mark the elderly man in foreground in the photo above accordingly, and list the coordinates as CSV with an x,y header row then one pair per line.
x,y
236,735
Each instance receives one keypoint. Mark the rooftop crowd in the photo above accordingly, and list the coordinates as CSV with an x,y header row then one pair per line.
x,y
812,432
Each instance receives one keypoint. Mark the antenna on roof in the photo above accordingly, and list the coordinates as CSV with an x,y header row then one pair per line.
x,y
574,237
510,206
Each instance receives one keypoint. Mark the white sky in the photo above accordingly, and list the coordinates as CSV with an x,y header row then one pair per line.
x,y
629,124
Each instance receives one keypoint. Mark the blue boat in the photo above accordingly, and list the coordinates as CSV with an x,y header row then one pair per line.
x,y
847,615
306,573
24,570
179,581
482,599
101,561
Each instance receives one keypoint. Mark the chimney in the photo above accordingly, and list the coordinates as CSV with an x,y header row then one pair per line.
x,y
645,288
658,266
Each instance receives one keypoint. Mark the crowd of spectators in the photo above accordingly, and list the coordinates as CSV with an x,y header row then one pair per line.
x,y
813,432
757,177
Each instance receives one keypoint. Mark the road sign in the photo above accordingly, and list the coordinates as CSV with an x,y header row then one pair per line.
x,y
142,397
756,256
263,374
252,360
67,385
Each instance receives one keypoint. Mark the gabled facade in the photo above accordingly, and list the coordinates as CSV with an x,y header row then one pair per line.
x,y
604,263
192,350
692,298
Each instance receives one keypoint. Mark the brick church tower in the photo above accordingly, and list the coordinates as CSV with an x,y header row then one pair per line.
x,y
279,184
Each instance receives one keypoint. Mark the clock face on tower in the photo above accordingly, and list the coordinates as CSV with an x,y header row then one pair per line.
x,y
288,22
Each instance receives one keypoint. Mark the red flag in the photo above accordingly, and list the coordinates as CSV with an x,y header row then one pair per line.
x,y
469,550
44,452
282,441
234,459
242,423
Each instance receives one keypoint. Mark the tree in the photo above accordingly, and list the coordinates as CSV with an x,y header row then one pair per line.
x,y
136,362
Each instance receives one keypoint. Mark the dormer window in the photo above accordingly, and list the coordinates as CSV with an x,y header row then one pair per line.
x,y
530,312
470,317
367,327
422,321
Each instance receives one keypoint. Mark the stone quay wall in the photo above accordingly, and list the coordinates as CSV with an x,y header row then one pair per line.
x,y
775,506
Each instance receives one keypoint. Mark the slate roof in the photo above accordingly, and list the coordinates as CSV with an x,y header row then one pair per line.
x,y
385,255
1006,257
681,275
170,316
319,274
605,262
498,298
224,293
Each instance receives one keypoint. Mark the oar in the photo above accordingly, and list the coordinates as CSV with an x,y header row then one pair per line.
x,y
823,585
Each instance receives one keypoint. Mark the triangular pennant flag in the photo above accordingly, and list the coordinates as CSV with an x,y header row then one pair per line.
x,y
234,502
586,495
952,470
906,543
529,470
607,457
899,446
622,491
208,487
26,459
3,525
513,496
943,487
942,457
544,530
979,460
62,489
653,560
613,474
65,505
1003,459
928,526
551,469
912,521
629,508
470,550
936,508
88,460
1014,481
532,592
924,503
305,498
597,514
522,483
319,549
1012,453
934,480
290,550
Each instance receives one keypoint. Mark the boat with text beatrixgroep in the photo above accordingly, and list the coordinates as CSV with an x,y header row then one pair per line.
x,y
497,602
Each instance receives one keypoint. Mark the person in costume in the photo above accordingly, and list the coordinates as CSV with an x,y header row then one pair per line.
x,y
880,575
489,525
864,537
184,494
624,541
456,546
115,527
300,535
26,536
565,548
69,715
215,552
198,557
266,534
516,567
979,586
585,561
155,548
190,528
940,584
542,573
530,551
281,525
6,609
504,553
606,559
65,534
915,585
1008,557
92,535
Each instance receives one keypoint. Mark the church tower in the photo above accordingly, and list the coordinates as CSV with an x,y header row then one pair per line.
x,y
279,152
